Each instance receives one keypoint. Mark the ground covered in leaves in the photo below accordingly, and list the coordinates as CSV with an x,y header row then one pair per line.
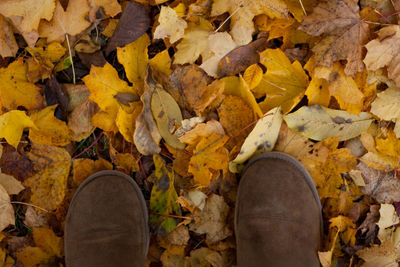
x,y
190,90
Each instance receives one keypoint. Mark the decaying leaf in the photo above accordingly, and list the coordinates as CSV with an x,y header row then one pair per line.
x,y
344,34
12,124
133,23
261,139
243,12
318,123
384,255
48,184
384,51
283,84
6,209
10,184
171,25
167,115
383,186
163,199
8,45
147,136
212,220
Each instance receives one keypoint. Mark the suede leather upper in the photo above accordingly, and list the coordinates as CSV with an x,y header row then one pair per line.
x,y
107,223
278,216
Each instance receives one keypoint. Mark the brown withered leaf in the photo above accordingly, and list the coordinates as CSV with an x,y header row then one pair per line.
x,y
146,136
212,220
88,59
55,95
83,168
383,186
8,45
240,58
344,34
134,22
384,51
368,226
14,163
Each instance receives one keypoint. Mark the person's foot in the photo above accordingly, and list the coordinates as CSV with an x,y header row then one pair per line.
x,y
106,223
278,219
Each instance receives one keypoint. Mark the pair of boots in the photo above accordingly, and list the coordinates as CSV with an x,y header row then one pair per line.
x,y
278,218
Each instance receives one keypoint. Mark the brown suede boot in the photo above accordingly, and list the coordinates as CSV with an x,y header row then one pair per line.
x,y
106,225
278,220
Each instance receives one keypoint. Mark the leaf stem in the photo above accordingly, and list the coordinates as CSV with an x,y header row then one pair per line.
x,y
70,56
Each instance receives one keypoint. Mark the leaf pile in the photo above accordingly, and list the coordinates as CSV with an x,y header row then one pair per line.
x,y
179,95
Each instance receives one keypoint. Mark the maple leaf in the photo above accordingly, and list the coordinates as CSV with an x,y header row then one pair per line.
x,y
381,255
211,220
384,51
344,34
27,13
12,124
8,45
134,58
48,184
49,130
72,21
283,84
16,90
106,89
242,14
171,25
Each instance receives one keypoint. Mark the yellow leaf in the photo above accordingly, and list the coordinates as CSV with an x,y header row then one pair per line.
x,y
283,84
134,58
318,123
209,157
49,182
167,115
126,121
253,75
261,139
243,12
105,121
126,163
201,130
318,92
389,146
162,62
33,256
111,7
48,241
379,161
238,87
8,45
27,13
171,25
16,90
12,124
71,21
6,209
341,223
345,90
83,168
50,130
194,42
110,28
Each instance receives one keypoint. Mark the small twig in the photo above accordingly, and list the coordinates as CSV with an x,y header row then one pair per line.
x,y
382,16
27,204
171,216
302,7
70,56
86,149
141,167
233,13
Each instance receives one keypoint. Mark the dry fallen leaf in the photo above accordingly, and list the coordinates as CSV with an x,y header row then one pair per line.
x,y
6,209
344,34
8,45
10,184
243,12
171,25
83,168
71,21
384,255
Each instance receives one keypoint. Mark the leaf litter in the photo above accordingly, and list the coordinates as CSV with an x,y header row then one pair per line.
x,y
180,96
